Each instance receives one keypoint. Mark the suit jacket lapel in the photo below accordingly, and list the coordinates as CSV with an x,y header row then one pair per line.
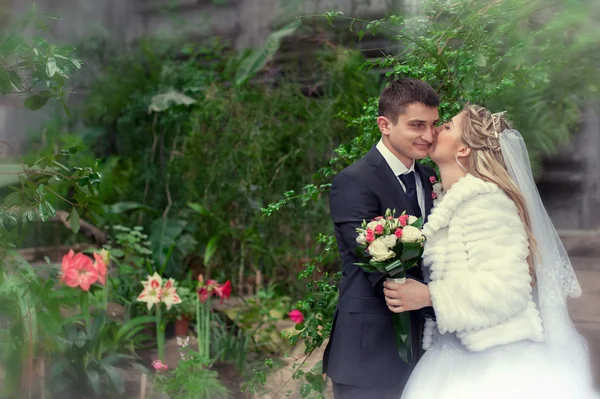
x,y
386,181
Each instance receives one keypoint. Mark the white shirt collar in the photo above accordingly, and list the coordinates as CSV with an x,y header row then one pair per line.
x,y
395,164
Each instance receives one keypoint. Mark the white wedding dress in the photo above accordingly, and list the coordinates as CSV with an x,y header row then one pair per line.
x,y
457,363
522,370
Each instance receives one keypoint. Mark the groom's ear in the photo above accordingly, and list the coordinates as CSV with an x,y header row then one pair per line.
x,y
384,125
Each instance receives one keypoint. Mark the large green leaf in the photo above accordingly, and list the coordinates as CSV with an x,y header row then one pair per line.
x,y
257,59
164,233
114,375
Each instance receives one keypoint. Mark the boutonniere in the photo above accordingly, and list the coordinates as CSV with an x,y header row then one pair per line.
x,y
438,190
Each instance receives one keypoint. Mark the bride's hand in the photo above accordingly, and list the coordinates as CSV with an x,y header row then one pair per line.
x,y
412,295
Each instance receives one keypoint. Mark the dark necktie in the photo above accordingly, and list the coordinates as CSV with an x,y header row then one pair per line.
x,y
408,179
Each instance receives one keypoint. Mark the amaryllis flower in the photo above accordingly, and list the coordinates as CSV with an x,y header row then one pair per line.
x,y
78,271
169,295
223,290
211,287
152,291
159,366
100,267
296,316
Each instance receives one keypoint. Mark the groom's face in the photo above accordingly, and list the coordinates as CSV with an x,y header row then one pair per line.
x,y
412,135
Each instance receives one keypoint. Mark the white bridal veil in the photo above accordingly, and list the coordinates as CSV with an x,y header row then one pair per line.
x,y
556,279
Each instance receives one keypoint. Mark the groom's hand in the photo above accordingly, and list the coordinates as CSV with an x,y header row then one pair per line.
x,y
412,295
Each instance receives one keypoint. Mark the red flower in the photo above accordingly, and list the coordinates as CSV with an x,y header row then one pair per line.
x,y
223,290
433,195
202,294
211,288
398,232
379,229
432,180
296,316
78,271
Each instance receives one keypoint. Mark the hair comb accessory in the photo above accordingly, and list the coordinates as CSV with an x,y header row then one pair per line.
x,y
496,122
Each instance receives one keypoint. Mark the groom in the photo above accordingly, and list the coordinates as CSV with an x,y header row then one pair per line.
x,y
362,358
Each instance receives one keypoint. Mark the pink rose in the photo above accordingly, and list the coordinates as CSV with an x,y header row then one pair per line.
x,y
398,232
378,229
433,195
403,220
370,236
296,316
432,180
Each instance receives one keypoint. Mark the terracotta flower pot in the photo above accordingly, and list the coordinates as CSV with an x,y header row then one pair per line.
x,y
182,327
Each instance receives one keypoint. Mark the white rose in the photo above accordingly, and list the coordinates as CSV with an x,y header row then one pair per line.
x,y
361,239
390,240
412,219
411,234
380,251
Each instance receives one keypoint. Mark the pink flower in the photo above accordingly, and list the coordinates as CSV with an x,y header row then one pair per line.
x,y
433,195
378,218
370,237
403,220
432,180
100,266
398,232
78,271
159,366
378,229
296,316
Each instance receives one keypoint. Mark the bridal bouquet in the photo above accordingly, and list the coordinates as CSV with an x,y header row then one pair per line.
x,y
392,245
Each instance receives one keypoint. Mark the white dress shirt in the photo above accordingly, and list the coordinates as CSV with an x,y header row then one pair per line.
x,y
400,169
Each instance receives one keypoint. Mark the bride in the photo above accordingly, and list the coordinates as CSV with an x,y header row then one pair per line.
x,y
499,276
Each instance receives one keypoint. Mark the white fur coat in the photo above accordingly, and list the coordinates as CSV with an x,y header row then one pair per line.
x,y
477,252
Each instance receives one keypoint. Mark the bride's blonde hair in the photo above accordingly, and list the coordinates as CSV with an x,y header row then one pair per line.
x,y
481,132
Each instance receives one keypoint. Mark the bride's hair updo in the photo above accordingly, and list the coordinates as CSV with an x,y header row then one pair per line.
x,y
481,132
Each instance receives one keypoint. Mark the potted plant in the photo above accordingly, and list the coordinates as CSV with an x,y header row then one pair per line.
x,y
185,312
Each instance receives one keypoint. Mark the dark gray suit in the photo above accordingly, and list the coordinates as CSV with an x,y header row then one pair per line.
x,y
361,358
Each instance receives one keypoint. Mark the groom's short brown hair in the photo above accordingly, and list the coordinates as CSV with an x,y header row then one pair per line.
x,y
403,92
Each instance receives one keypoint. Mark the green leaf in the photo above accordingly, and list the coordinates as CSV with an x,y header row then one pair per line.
x,y
257,59
411,250
37,101
114,375
51,67
94,381
480,60
5,84
74,221
211,248
199,208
